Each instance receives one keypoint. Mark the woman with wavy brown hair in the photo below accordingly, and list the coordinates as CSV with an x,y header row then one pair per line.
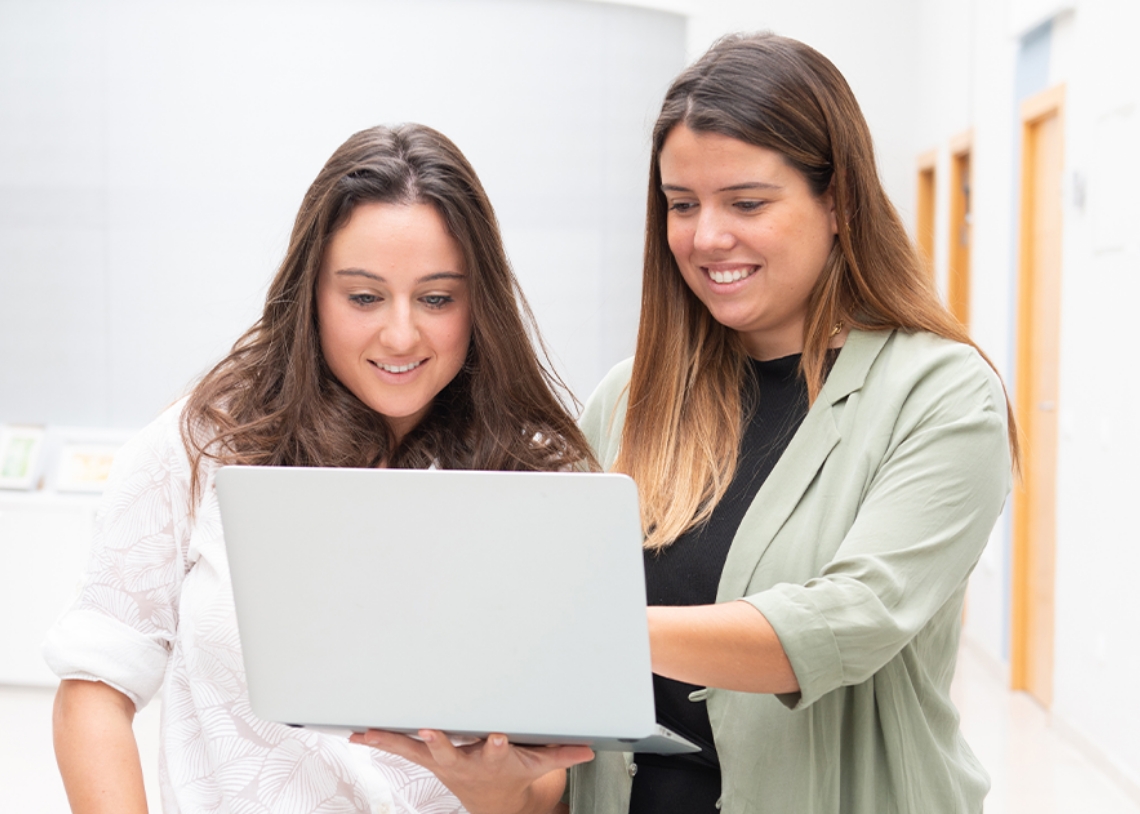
x,y
393,335
821,453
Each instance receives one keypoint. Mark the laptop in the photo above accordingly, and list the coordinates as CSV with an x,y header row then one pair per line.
x,y
468,602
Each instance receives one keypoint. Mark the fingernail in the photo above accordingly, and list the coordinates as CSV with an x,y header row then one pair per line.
x,y
427,736
498,740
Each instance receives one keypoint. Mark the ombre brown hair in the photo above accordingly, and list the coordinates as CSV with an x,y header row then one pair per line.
x,y
685,420
273,401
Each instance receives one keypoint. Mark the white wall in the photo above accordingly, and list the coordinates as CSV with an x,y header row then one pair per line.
x,y
872,42
152,156
1098,540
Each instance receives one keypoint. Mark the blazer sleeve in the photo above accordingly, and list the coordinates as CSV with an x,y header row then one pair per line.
x,y
924,519
604,414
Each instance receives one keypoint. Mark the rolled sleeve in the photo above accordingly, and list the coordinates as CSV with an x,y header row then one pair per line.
x,y
814,653
93,647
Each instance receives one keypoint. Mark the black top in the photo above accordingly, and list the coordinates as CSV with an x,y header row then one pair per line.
x,y
687,573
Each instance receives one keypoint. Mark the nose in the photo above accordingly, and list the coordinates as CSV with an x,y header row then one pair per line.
x,y
712,232
399,332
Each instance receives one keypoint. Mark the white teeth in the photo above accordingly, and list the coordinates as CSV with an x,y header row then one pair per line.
x,y
731,276
399,368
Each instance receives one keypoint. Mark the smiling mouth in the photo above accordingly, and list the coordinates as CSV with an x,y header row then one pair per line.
x,y
398,368
731,275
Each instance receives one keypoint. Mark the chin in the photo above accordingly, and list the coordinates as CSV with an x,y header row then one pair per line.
x,y
737,324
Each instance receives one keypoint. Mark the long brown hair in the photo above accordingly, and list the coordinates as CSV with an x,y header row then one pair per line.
x,y
273,400
685,405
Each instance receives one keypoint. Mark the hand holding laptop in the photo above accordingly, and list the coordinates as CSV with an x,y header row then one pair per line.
x,y
489,775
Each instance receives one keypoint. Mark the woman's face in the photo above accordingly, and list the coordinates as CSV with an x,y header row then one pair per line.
x,y
393,309
749,236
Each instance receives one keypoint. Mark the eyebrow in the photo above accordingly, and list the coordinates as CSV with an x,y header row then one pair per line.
x,y
427,278
761,185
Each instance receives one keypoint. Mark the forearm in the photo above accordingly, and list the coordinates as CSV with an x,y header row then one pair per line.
x,y
730,646
96,750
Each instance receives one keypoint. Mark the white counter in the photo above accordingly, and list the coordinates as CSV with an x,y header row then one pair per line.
x,y
44,542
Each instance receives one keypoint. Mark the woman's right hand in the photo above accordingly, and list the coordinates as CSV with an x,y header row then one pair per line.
x,y
490,776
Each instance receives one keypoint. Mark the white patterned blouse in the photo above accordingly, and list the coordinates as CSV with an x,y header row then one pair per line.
x,y
156,611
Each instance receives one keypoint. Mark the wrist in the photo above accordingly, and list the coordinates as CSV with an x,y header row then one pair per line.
x,y
522,803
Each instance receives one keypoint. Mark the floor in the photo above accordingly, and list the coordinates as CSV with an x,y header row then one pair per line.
x,y
1034,769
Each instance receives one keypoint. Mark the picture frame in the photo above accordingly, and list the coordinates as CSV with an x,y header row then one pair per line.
x,y
84,458
21,456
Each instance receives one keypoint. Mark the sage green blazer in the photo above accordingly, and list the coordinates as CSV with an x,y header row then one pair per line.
x,y
857,550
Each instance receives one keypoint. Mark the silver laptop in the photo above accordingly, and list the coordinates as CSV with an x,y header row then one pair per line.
x,y
468,602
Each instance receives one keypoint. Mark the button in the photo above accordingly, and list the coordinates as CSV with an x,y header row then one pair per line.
x,y
633,770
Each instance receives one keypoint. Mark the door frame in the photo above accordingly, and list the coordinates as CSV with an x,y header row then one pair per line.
x,y
1026,581
925,206
961,226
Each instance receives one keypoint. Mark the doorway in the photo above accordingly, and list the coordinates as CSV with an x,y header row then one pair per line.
x,y
924,209
961,228
1038,360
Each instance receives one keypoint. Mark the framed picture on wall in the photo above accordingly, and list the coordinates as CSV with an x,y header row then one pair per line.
x,y
84,460
21,453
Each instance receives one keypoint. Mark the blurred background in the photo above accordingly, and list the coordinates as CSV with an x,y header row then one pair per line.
x,y
153,154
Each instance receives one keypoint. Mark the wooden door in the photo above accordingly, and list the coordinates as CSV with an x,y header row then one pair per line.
x,y
924,209
1038,356
961,230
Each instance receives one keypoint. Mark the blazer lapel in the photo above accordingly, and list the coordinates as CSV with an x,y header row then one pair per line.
x,y
797,467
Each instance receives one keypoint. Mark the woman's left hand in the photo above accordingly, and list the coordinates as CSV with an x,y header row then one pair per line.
x,y
491,776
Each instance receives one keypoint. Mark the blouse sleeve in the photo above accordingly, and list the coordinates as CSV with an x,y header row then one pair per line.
x,y
923,521
121,627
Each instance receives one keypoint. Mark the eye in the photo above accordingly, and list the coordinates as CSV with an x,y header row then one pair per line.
x,y
682,207
749,206
363,299
436,300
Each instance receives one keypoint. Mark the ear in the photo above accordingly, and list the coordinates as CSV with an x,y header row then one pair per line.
x,y
828,202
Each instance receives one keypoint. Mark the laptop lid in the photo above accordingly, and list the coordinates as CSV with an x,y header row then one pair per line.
x,y
469,602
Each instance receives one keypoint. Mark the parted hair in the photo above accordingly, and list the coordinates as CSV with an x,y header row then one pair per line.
x,y
682,432
273,401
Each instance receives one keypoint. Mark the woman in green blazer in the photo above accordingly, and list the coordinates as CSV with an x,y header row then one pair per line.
x,y
820,452
801,404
